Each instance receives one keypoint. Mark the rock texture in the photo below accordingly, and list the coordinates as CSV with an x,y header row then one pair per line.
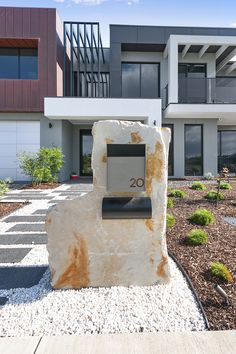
x,y
85,250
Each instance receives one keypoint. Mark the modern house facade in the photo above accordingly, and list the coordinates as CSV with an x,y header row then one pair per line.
x,y
56,80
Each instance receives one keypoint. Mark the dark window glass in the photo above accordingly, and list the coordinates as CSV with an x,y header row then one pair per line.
x,y
130,80
18,63
171,150
86,146
227,150
193,150
9,63
140,80
149,80
29,64
192,83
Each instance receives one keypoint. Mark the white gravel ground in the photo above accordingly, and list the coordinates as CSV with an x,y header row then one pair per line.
x,y
41,311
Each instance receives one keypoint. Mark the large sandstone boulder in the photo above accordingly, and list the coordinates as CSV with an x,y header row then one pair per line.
x,y
86,250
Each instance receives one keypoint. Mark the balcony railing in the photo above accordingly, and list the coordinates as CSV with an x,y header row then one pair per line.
x,y
207,90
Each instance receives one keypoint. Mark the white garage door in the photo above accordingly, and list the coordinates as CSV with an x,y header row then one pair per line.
x,y
17,137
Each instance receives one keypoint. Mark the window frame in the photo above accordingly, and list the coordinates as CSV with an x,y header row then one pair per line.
x,y
140,63
18,50
202,149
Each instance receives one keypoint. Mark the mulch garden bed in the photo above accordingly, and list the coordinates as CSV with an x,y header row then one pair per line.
x,y
7,208
196,260
41,186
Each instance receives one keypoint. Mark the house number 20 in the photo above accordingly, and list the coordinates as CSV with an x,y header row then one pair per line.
x,y
136,182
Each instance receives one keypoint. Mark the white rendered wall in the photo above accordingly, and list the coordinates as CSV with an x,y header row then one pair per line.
x,y
94,109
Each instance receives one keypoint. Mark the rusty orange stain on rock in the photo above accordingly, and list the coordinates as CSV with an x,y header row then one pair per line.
x,y
154,166
109,141
94,180
151,259
149,224
104,158
161,267
135,138
76,274
48,220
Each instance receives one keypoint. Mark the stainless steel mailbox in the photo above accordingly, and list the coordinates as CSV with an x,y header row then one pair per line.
x,y
126,167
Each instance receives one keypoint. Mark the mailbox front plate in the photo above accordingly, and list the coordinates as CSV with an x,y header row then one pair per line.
x,y
126,168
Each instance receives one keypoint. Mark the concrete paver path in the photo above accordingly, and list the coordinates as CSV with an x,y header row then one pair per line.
x,y
220,342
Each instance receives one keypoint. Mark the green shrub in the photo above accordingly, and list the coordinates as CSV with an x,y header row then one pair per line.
x,y
213,195
43,166
221,271
170,221
202,217
4,186
197,237
170,203
198,186
177,193
225,185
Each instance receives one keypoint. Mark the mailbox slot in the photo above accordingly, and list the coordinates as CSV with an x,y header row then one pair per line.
x,y
126,208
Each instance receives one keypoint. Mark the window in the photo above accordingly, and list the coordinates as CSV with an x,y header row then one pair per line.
x,y
86,146
141,80
171,150
227,150
19,63
192,83
193,150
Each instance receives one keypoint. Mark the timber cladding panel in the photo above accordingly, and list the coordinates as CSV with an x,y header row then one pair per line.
x,y
24,27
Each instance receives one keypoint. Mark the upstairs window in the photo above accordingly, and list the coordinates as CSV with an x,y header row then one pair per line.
x,y
141,80
19,63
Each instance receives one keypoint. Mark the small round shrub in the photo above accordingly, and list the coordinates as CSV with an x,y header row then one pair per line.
x,y
177,193
202,217
197,237
170,221
212,195
198,186
170,203
221,271
225,185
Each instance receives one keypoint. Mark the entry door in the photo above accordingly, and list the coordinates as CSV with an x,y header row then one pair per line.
x,y
86,146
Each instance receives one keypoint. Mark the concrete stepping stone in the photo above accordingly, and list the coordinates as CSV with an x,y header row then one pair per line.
x,y
20,277
27,227
230,220
25,239
40,211
25,218
13,255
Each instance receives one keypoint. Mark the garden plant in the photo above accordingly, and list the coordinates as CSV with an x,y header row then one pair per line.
x,y
220,270
177,193
197,185
170,221
43,166
197,237
202,217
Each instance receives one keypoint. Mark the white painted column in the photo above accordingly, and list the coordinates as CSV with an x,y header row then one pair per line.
x,y
173,70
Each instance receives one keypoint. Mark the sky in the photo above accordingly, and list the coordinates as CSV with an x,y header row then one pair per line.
x,y
207,13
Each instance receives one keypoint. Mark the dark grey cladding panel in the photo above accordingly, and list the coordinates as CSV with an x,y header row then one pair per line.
x,y
160,34
115,56
115,80
147,34
123,34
